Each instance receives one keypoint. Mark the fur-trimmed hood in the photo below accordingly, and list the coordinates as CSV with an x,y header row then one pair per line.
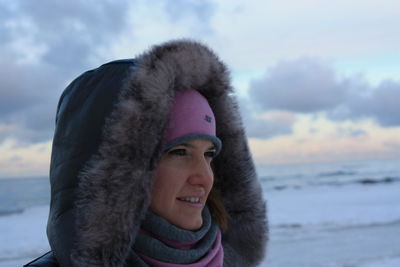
x,y
107,143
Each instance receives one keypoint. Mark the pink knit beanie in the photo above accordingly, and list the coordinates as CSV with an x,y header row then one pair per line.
x,y
191,118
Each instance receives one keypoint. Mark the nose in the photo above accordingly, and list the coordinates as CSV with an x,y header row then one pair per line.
x,y
201,172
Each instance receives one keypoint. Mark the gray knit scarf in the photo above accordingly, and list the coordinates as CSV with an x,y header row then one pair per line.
x,y
155,228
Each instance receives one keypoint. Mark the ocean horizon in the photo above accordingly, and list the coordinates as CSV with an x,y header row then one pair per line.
x,y
322,214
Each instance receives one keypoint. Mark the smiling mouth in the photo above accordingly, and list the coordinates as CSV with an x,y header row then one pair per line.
x,y
195,200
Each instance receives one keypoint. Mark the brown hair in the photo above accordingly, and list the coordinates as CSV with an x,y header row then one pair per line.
x,y
217,209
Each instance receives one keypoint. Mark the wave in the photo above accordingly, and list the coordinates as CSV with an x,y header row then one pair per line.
x,y
7,212
360,181
337,173
365,181
23,235
384,180
335,225
267,178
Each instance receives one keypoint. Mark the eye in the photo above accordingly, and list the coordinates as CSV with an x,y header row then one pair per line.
x,y
210,154
177,152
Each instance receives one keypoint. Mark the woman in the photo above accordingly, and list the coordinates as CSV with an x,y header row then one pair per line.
x,y
135,180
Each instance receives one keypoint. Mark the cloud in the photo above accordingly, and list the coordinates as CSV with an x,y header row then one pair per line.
x,y
13,93
393,145
48,43
267,128
25,85
266,125
32,125
28,99
28,160
382,104
350,132
311,86
43,45
67,31
178,9
305,85
254,33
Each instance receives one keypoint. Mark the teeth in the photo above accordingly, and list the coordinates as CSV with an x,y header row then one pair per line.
x,y
190,199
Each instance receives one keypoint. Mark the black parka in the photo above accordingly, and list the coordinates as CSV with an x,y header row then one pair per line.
x,y
107,143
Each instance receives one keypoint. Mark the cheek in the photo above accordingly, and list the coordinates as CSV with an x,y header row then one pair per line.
x,y
163,188
158,189
210,181
159,198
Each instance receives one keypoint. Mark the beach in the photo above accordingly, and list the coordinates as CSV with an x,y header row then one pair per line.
x,y
343,226
351,222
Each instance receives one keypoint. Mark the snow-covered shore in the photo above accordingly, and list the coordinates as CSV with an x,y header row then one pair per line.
x,y
351,225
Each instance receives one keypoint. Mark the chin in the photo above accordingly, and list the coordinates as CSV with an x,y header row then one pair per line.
x,y
192,225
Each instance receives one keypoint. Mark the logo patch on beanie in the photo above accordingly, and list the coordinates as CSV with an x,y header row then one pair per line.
x,y
207,118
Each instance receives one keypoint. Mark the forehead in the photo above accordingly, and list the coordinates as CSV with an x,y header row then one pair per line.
x,y
198,143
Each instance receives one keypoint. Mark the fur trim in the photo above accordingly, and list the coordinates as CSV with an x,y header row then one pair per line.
x,y
114,187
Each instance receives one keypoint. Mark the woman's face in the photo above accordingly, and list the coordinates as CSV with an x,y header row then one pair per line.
x,y
183,180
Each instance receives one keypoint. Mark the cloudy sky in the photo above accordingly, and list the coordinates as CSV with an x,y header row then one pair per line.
x,y
317,80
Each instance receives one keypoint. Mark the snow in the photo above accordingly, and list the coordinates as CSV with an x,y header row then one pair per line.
x,y
335,206
23,235
394,262
352,225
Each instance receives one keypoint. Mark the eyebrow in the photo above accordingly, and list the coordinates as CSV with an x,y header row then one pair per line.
x,y
192,146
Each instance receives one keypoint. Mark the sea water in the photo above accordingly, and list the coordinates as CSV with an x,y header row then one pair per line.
x,y
325,214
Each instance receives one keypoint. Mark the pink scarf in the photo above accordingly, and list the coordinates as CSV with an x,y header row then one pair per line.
x,y
214,257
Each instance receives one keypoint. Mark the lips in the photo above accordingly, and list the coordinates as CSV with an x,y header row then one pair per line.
x,y
195,200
